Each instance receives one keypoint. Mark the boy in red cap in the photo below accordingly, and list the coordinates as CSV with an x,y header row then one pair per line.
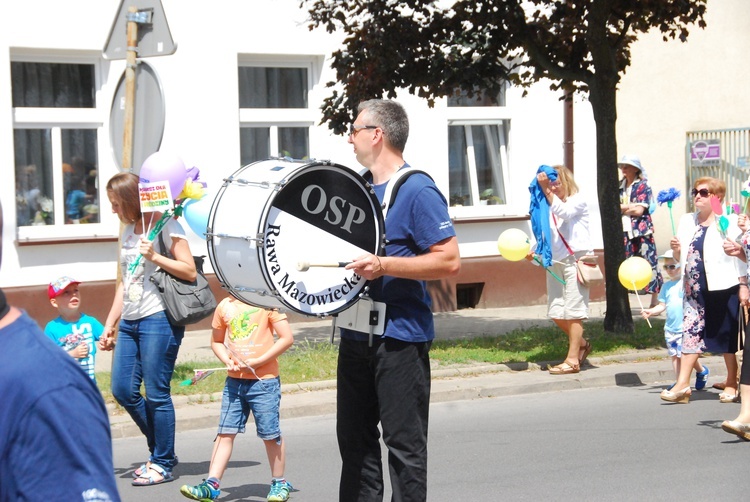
x,y
74,331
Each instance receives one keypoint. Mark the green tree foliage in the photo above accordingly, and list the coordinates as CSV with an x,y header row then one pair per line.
x,y
433,49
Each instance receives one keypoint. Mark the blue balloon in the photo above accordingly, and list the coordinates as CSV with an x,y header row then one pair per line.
x,y
196,213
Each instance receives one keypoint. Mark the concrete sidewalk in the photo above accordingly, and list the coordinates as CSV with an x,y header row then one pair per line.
x,y
316,398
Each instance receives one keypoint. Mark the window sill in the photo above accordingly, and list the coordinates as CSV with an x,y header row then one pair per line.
x,y
457,220
67,234
41,241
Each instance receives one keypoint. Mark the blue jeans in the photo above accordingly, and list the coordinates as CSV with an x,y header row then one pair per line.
x,y
146,352
243,396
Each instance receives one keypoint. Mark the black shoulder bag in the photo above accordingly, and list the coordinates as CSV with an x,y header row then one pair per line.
x,y
185,302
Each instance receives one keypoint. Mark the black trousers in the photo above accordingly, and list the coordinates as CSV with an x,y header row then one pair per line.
x,y
388,383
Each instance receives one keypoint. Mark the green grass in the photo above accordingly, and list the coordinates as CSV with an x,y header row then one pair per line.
x,y
310,361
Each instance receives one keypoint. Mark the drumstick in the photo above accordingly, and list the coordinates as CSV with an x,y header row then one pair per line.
x,y
304,266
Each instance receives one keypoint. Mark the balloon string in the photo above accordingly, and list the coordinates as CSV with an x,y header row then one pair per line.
x,y
641,304
536,259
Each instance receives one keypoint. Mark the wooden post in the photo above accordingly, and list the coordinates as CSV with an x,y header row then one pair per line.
x,y
130,69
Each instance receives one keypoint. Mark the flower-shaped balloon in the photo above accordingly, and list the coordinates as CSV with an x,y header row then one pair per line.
x,y
723,225
746,188
668,196
192,190
745,192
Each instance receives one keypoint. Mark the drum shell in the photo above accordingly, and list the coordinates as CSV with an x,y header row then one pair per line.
x,y
272,214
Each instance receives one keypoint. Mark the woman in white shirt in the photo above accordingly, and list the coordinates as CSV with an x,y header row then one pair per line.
x,y
567,304
147,342
712,287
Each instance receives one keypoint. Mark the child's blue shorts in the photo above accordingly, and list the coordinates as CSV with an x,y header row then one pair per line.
x,y
242,396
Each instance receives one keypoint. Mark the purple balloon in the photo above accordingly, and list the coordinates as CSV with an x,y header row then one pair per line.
x,y
162,166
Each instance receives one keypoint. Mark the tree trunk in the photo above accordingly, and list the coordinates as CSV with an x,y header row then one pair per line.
x,y
618,317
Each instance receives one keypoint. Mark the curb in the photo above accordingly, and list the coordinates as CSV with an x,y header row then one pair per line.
x,y
449,384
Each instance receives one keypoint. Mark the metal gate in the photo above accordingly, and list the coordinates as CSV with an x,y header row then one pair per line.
x,y
722,154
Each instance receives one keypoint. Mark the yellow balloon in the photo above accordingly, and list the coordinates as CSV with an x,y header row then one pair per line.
x,y
513,244
635,273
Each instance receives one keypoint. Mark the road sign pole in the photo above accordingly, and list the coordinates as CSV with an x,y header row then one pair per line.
x,y
130,69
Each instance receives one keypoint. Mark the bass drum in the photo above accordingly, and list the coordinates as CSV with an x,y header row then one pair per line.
x,y
272,219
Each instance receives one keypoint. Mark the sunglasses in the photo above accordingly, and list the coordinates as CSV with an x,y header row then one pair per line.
x,y
671,267
354,129
703,192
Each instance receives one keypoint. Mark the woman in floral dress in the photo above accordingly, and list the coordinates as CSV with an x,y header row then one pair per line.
x,y
636,200
712,288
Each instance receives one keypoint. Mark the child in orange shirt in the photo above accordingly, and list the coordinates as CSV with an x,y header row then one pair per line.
x,y
242,338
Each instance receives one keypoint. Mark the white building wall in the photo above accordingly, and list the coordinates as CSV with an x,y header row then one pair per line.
x,y
202,118
673,88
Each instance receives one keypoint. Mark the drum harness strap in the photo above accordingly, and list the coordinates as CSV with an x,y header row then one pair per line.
x,y
373,318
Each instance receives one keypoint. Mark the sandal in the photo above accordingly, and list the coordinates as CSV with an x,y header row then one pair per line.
x,y
144,466
142,469
563,368
149,477
726,397
585,351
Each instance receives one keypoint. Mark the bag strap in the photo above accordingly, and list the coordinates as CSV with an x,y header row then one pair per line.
x,y
198,260
394,184
165,249
561,235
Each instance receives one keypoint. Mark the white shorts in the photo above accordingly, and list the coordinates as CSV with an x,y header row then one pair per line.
x,y
569,300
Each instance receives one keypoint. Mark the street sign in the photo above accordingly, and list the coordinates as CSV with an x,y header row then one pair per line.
x,y
154,38
705,153
148,116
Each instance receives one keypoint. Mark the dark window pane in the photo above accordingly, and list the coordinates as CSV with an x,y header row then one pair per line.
x,y
53,85
458,168
272,87
80,175
480,98
487,157
255,144
33,160
487,144
293,142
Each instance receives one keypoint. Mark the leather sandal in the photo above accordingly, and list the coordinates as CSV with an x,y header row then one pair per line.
x,y
585,351
563,368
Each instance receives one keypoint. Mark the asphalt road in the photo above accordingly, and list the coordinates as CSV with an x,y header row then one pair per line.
x,y
618,443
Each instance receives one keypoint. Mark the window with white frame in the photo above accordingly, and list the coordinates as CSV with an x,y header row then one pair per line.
x,y
275,114
478,132
56,145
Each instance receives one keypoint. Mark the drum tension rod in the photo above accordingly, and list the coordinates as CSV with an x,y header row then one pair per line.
x,y
244,182
258,238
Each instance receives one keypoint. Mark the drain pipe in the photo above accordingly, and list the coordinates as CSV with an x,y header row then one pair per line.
x,y
568,131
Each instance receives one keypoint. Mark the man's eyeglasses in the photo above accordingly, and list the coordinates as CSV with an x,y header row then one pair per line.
x,y
671,267
703,192
354,128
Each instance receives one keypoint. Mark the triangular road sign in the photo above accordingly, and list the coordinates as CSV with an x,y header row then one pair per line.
x,y
154,38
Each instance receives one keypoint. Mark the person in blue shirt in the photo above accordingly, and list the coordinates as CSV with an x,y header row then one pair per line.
x,y
670,300
74,331
55,440
388,382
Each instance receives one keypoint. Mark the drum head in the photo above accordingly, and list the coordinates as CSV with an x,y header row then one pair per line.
x,y
322,214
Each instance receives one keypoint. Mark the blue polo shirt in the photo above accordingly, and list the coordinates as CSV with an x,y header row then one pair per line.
x,y
417,220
